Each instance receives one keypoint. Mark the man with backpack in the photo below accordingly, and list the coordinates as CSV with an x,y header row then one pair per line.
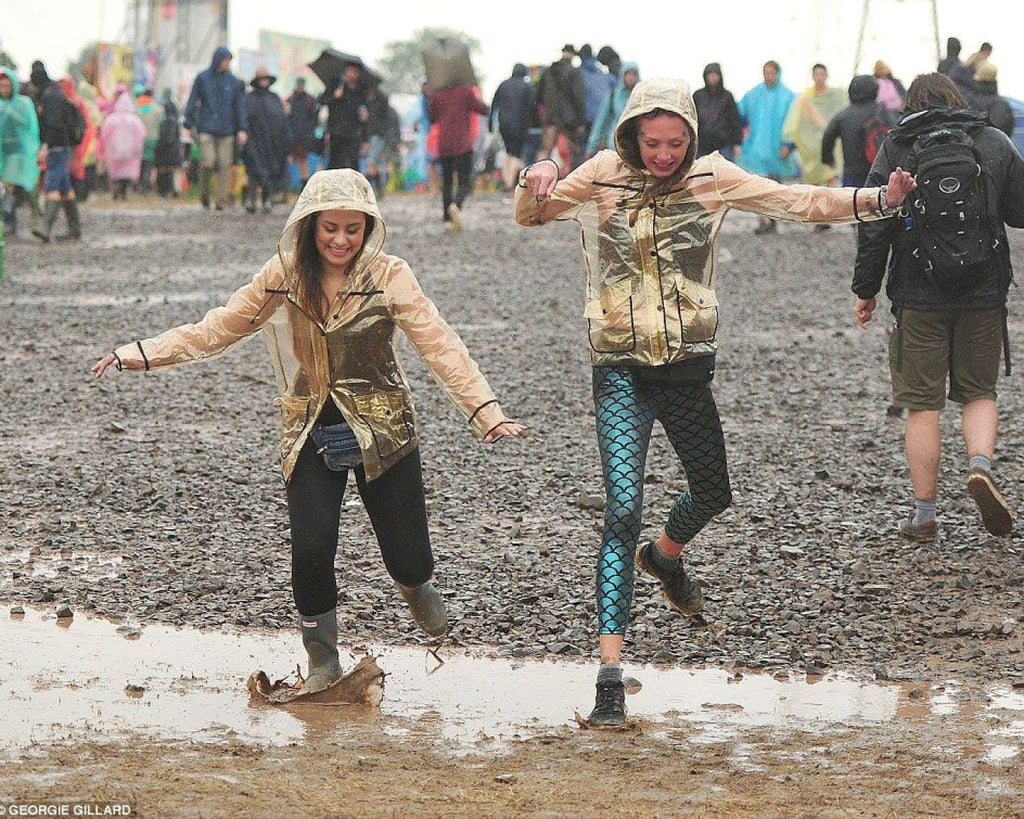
x,y
861,127
61,128
947,278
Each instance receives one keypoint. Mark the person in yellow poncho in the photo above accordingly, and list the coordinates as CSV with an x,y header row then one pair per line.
x,y
805,125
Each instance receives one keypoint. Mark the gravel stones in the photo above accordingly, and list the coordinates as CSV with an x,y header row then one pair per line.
x,y
160,496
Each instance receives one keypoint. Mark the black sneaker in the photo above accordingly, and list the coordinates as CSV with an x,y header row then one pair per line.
x,y
682,593
610,706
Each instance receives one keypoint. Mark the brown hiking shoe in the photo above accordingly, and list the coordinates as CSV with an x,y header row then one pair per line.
x,y
682,593
919,532
995,514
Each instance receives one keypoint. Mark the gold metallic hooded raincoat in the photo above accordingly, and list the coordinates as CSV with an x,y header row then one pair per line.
x,y
351,358
650,286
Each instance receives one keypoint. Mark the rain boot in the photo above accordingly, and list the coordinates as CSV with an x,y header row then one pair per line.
x,y
49,217
426,607
320,637
74,222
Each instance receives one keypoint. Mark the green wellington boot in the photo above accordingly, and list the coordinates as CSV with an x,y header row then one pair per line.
x,y
427,607
320,637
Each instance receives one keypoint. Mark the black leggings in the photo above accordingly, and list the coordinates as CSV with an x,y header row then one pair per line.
x,y
397,511
462,167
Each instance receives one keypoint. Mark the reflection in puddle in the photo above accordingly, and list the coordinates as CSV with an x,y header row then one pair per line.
x,y
87,682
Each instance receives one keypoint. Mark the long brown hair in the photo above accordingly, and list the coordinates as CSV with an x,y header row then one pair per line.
x,y
934,91
309,265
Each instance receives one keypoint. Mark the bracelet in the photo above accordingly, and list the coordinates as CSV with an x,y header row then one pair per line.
x,y
117,361
883,201
526,170
143,354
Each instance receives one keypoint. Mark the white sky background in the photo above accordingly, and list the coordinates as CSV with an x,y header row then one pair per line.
x,y
666,38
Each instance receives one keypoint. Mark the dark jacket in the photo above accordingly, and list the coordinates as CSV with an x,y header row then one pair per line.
x,y
561,92
168,140
1003,171
986,99
718,119
452,108
514,104
270,137
595,88
57,117
343,113
303,119
849,127
217,102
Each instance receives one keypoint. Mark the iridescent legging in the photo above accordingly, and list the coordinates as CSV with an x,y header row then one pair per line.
x,y
627,408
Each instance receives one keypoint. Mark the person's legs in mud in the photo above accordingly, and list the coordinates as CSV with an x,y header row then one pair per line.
x,y
224,149
464,171
57,185
208,170
973,378
919,354
447,185
396,505
8,204
690,417
625,419
315,494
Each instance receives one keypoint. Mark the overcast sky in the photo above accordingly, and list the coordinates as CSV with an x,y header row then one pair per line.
x,y
665,38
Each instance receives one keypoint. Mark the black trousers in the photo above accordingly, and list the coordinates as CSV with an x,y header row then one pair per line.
x,y
462,167
397,511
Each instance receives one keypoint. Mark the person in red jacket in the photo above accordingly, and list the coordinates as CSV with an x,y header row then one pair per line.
x,y
452,108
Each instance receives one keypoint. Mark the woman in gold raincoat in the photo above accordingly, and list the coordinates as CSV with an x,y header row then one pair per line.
x,y
650,214
330,304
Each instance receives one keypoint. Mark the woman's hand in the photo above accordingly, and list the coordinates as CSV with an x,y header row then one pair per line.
x,y
506,429
900,184
101,366
541,178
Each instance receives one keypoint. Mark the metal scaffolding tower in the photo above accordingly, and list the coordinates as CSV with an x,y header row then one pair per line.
x,y
864,23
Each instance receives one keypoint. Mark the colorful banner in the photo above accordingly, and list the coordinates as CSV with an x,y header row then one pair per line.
x,y
292,53
114,64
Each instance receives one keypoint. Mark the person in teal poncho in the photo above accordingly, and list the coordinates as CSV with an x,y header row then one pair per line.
x,y
19,138
602,132
764,108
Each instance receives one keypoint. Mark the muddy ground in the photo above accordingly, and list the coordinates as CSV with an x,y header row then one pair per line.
x,y
156,497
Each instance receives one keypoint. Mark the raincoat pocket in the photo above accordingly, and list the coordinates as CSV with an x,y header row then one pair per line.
x,y
610,316
389,418
698,312
294,411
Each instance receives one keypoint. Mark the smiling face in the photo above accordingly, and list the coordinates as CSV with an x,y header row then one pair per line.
x,y
339,238
664,141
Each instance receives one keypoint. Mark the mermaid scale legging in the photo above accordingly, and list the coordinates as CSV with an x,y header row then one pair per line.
x,y
626,409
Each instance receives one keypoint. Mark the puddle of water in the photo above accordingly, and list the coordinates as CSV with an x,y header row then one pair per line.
x,y
85,681
38,562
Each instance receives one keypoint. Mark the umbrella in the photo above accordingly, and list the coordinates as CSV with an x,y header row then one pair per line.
x,y
446,61
330,65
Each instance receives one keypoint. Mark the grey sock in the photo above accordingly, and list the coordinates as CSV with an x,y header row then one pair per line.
x,y
925,511
661,560
609,673
981,462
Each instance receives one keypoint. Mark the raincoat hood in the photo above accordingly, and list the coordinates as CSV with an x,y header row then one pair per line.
x,y
338,189
519,70
218,55
12,75
714,68
913,125
863,88
669,95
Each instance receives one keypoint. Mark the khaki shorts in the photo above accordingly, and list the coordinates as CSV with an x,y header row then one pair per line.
x,y
929,346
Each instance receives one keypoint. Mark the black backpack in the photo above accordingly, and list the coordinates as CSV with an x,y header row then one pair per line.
x,y
947,216
76,124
